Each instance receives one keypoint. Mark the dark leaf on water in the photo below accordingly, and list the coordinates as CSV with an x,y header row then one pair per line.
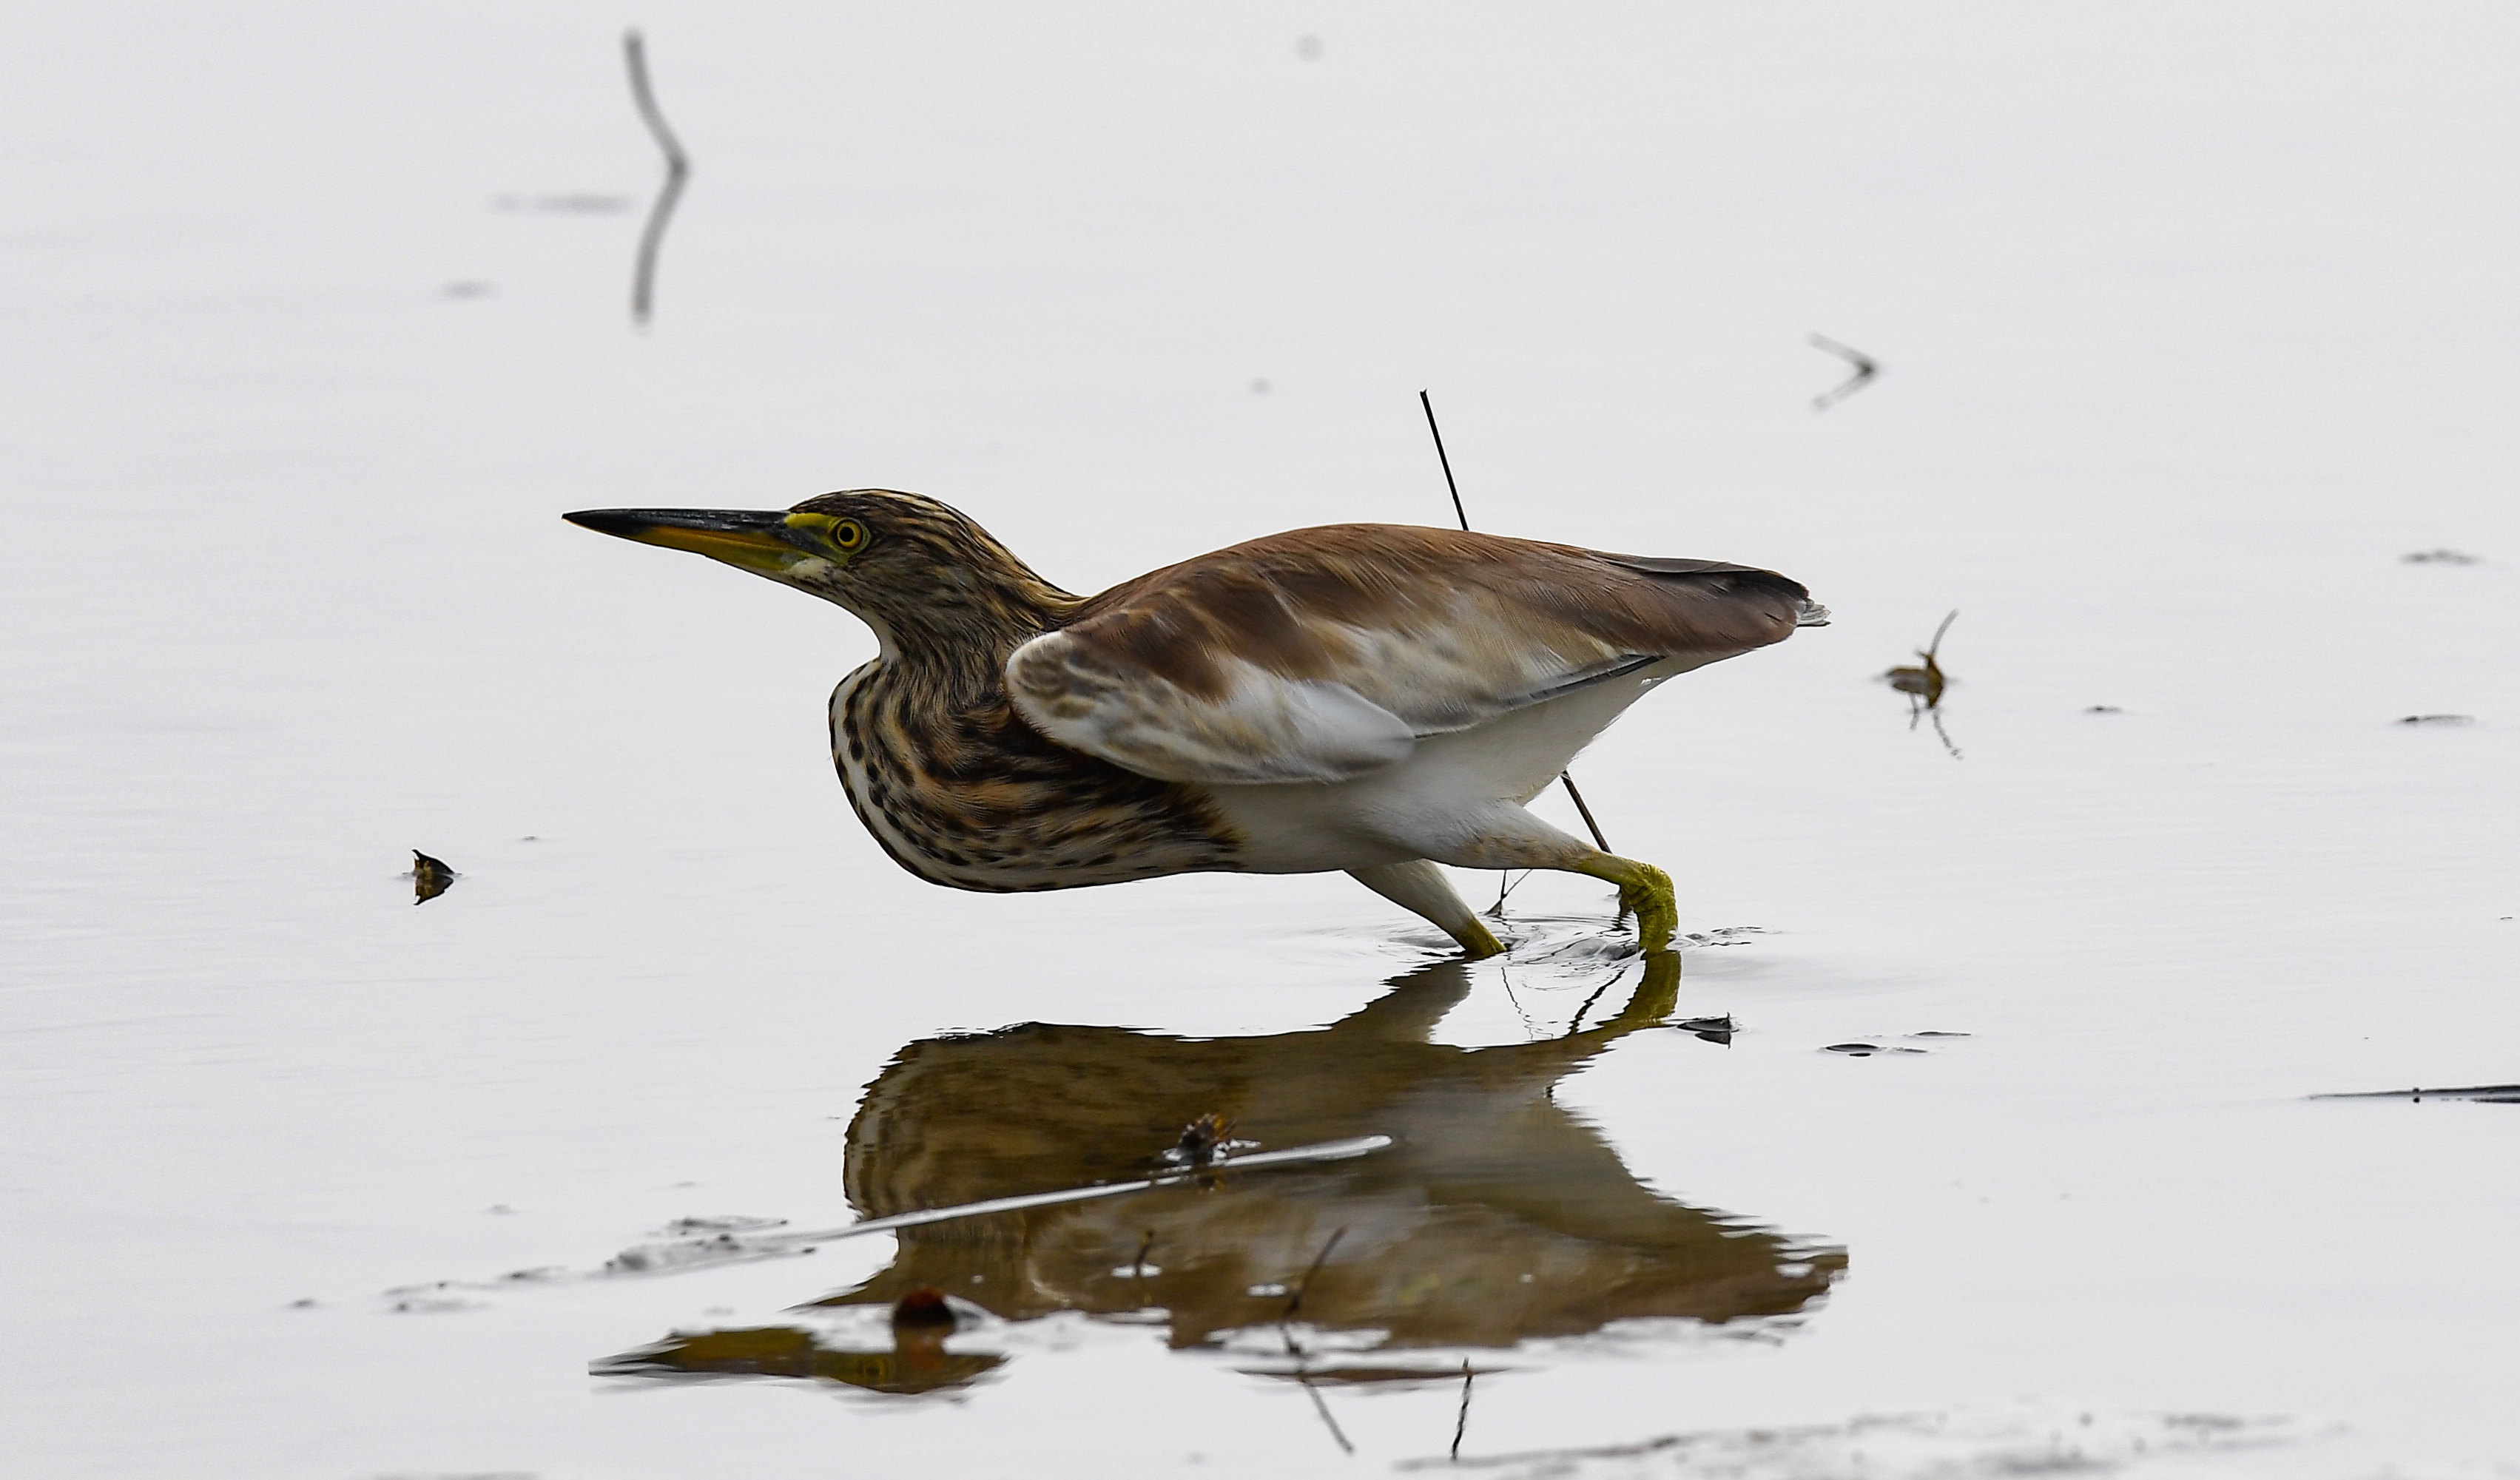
x,y
1712,1029
429,877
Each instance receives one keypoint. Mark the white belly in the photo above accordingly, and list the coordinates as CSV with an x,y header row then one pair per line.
x,y
1450,796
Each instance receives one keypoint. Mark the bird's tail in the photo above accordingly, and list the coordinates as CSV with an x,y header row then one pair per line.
x,y
1811,614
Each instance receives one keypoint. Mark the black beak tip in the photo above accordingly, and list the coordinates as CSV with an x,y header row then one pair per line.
x,y
621,521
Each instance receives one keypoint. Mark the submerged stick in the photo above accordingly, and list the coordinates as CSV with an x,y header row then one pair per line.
x,y
672,1258
1327,1151
1568,777
1462,1420
678,169
1295,1302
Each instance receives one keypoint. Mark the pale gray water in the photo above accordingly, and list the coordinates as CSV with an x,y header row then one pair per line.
x,y
2193,328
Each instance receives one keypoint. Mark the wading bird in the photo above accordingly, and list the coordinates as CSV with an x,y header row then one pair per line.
x,y
1378,698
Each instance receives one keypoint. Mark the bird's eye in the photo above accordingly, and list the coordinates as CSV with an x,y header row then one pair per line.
x,y
848,534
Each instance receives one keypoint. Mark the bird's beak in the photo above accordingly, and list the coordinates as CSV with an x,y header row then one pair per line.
x,y
764,543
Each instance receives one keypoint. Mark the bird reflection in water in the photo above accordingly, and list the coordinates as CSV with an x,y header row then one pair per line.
x,y
1496,1218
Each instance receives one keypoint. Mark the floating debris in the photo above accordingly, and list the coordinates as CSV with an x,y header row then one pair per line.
x,y
2442,558
1866,368
1924,683
922,1307
2023,1438
2482,1093
2104,709
2438,719
429,877
1718,1030
1201,1140
1867,1049
433,1299
730,1222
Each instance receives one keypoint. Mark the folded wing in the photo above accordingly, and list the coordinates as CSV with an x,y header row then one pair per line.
x,y
1324,655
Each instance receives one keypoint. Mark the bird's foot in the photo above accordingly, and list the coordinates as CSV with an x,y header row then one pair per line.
x,y
1650,898
1646,892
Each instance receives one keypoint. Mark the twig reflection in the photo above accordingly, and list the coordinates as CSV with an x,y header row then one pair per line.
x,y
678,169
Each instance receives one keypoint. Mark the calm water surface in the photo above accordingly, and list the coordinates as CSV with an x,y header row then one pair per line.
x,y
2192,332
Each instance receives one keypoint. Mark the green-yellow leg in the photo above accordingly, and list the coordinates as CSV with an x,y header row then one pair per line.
x,y
1477,941
1644,890
1420,888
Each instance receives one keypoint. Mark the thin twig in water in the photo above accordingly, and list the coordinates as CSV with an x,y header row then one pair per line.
x,y
678,169
1137,1265
1294,1348
1568,777
1321,1408
1577,1025
1866,368
1589,825
1945,734
1507,977
1462,1420
1296,1301
671,1258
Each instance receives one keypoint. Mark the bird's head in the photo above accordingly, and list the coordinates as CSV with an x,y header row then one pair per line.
x,y
918,573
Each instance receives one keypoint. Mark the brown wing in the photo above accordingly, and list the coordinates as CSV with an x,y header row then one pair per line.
x,y
1324,654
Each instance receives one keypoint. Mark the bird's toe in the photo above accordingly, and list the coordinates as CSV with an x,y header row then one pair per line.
x,y
1649,897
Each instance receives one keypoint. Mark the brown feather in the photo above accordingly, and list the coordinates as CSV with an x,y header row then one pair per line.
x,y
1277,601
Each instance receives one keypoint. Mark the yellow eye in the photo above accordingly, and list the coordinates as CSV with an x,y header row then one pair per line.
x,y
848,534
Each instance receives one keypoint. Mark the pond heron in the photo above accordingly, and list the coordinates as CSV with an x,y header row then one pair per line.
x,y
1378,698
